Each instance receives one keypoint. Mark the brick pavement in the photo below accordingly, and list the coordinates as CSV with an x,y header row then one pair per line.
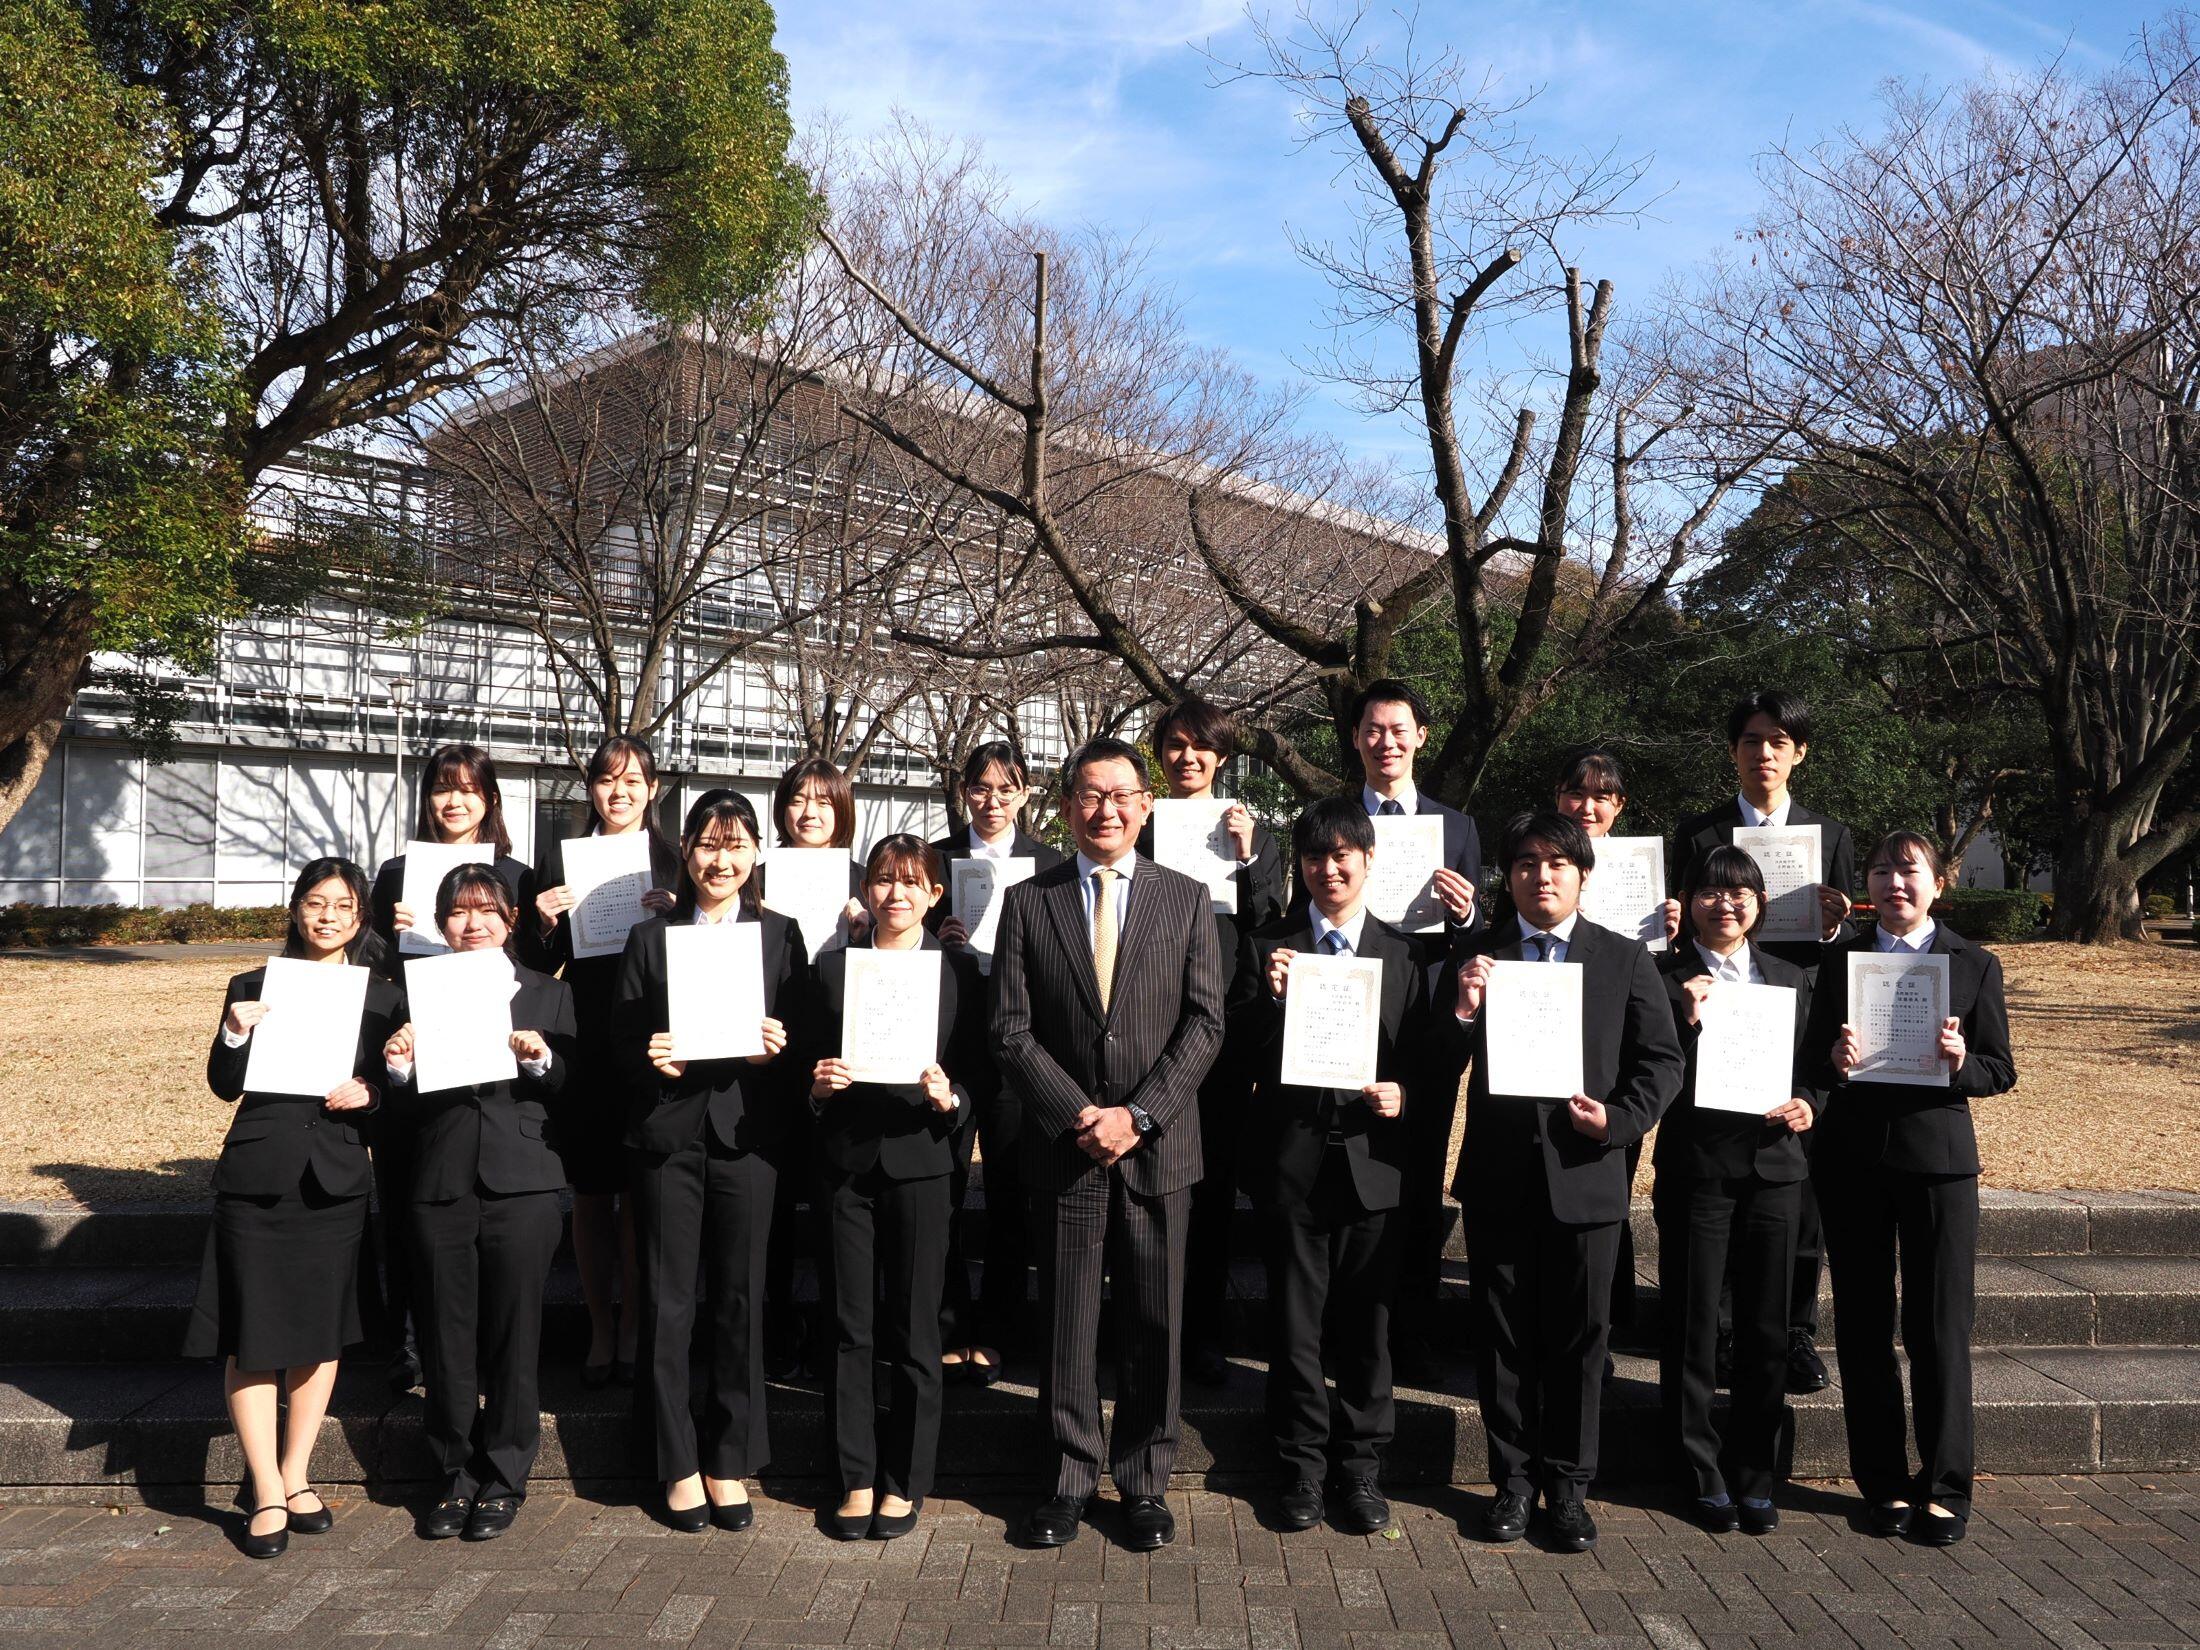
x,y
2058,1563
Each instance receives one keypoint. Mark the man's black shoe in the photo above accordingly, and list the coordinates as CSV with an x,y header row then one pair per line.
x,y
1806,1370
1053,1523
1720,1518
492,1516
446,1518
1149,1523
1931,1529
1300,1506
1359,1508
1507,1519
1760,1520
1571,1528
1887,1519
1206,1366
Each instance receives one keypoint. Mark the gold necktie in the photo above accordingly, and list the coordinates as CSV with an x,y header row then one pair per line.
x,y
1103,929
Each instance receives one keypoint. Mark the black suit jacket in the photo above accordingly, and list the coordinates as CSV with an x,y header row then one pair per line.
x,y
1837,867
1894,1125
1287,1127
892,1125
956,845
1060,1051
492,1134
1261,894
389,888
1631,1060
1726,1145
275,1137
746,1106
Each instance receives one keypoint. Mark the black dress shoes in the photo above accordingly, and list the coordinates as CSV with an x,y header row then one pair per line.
x,y
1931,1529
273,1545
1507,1519
1359,1508
732,1516
317,1522
1718,1517
446,1518
1300,1506
1571,1528
491,1517
1053,1523
1206,1366
893,1526
1887,1519
1806,1371
689,1520
846,1526
1760,1520
1149,1525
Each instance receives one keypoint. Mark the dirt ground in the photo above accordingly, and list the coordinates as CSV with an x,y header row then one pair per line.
x,y
103,1091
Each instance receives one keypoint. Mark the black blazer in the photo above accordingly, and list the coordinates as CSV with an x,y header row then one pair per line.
x,y
1060,1052
492,1134
274,1138
956,845
1868,1125
1837,866
1286,1128
746,1106
389,887
1631,1060
1726,1145
892,1125
1261,897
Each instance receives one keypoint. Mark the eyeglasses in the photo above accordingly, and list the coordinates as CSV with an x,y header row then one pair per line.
x,y
1738,899
1088,802
990,793
329,908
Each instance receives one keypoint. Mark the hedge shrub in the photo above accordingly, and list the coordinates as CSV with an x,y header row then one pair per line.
x,y
1989,914
135,925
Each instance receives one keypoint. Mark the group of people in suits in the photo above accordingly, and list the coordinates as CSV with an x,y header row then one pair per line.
x,y
1117,1060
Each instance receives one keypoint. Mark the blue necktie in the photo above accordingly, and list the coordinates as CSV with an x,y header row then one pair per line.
x,y
1335,943
1391,805
1542,944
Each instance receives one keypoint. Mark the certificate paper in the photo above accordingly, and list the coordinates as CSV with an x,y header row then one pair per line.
x,y
462,1019
1626,892
426,865
811,886
974,897
1791,858
608,876
1897,1004
1401,879
1745,1055
714,990
890,1014
1531,1027
1189,836
309,1040
1332,1021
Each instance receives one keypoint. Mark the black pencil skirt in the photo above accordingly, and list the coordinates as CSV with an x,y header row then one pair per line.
x,y
286,1281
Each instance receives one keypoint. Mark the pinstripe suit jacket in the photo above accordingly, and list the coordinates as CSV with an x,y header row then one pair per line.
x,y
1060,1051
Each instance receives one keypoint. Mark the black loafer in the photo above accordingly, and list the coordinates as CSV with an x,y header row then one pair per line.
x,y
1760,1520
1571,1528
1358,1508
893,1526
491,1517
1931,1529
1148,1524
1053,1523
446,1518
1806,1371
1887,1519
265,1546
845,1526
1300,1506
1507,1519
1720,1518
317,1522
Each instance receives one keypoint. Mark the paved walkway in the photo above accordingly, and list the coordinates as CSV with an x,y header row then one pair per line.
x,y
2068,1563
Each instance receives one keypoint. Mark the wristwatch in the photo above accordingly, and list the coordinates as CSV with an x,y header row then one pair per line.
x,y
1142,1121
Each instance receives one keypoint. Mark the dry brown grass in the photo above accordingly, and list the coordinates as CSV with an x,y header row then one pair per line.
x,y
103,1093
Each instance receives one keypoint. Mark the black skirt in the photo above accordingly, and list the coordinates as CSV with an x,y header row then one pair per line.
x,y
286,1281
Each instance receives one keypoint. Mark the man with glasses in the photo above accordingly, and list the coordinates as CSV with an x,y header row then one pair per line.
x,y
1107,1015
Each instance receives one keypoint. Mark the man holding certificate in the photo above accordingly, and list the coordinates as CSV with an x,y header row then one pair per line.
x,y
1108,1014
1574,1057
1332,1011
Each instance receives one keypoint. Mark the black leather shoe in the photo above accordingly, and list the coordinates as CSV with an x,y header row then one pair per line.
x,y
1571,1528
1806,1370
317,1522
732,1516
265,1546
1300,1506
1359,1508
1507,1519
1760,1520
1720,1519
491,1517
1931,1529
887,1527
1053,1523
446,1518
1887,1519
846,1526
689,1520
1149,1525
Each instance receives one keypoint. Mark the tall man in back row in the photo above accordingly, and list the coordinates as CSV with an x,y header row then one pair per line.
x,y
1107,1015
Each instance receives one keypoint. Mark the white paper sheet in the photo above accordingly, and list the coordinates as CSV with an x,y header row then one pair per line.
x,y
426,865
975,887
308,1041
1189,836
811,886
1401,879
1897,1005
608,876
714,989
462,1019
1531,1030
1745,1050
1791,858
1626,892
1332,1021
890,1014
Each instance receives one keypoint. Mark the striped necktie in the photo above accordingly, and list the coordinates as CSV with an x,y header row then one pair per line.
x,y
1103,929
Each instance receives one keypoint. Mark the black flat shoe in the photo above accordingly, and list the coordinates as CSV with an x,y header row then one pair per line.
x,y
1359,1508
446,1518
317,1522
1054,1522
1570,1527
1718,1518
1300,1506
1148,1524
1888,1520
491,1517
1507,1519
1760,1520
892,1527
1931,1529
689,1520
732,1516
265,1546
846,1526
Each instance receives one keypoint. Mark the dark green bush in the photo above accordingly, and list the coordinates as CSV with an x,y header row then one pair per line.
x,y
2159,906
34,925
1989,914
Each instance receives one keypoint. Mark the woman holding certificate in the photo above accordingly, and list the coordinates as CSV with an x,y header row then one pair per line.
x,y
1729,1188
300,1047
1908,1026
482,1215
590,1115
906,1025
709,998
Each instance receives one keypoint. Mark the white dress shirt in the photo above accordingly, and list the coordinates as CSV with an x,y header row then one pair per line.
x,y
1776,819
1914,943
1408,798
1350,928
1003,849
1739,969
1088,887
1562,937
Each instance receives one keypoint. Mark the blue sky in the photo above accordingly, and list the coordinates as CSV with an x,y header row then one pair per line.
x,y
1102,111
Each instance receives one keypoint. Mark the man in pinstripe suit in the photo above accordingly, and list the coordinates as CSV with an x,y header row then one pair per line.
x,y
1107,1015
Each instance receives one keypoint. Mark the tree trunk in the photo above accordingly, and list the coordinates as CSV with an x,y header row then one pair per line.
x,y
2096,890
43,661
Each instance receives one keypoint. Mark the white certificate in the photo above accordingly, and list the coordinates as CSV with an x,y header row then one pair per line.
x,y
1745,1050
1531,1029
1897,1004
426,865
608,876
462,1019
714,989
1332,1021
1189,836
811,886
890,1014
975,888
1790,857
1401,879
1626,891
308,1042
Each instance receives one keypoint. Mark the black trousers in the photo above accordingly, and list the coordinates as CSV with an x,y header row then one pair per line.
x,y
1810,1259
1540,1300
1623,1268
890,1234
1710,1231
1423,1216
704,1206
1332,1264
992,1314
1097,1228
1933,1220
1222,1099
479,1266
391,1146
